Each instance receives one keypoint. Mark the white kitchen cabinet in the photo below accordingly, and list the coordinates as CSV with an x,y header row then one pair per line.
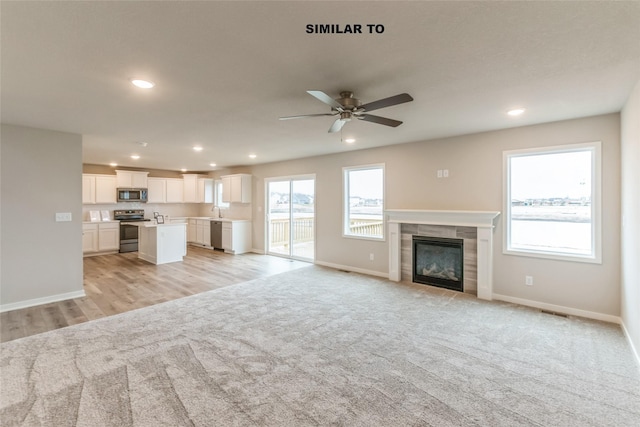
x,y
205,190
100,237
175,190
106,189
192,227
197,189
108,236
200,231
190,184
89,238
236,188
190,188
88,189
98,189
132,179
156,190
236,236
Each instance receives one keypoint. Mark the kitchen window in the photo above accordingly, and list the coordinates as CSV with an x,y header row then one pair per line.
x,y
364,202
552,202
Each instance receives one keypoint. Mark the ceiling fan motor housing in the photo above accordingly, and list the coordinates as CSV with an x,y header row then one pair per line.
x,y
348,101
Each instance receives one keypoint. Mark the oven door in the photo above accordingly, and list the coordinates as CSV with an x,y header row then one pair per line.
x,y
128,237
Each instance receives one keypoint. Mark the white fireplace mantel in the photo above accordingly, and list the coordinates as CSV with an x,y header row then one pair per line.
x,y
483,221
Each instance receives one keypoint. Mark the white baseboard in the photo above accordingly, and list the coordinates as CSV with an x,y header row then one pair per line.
x,y
40,301
354,269
634,350
560,309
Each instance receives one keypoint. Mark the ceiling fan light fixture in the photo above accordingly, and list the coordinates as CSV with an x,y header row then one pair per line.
x,y
142,84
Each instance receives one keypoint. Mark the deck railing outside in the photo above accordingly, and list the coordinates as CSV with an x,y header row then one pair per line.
x,y
303,230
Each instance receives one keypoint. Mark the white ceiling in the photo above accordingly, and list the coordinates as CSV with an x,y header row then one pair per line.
x,y
225,72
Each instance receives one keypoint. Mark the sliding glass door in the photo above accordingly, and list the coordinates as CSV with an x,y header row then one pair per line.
x,y
291,217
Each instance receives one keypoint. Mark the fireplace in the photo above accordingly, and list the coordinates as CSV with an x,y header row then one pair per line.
x,y
478,260
438,262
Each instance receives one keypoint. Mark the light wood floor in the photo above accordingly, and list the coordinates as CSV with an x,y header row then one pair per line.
x,y
121,282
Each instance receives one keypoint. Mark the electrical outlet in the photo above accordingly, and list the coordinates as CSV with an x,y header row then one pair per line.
x,y
371,257
528,280
63,216
445,173
440,173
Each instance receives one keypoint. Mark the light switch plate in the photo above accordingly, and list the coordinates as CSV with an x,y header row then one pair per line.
x,y
63,216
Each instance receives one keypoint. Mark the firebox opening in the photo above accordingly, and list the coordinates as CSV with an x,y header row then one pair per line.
x,y
438,262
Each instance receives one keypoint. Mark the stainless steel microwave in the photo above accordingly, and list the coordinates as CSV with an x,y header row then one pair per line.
x,y
132,195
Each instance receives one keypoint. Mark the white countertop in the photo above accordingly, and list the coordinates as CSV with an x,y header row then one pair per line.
x,y
111,221
223,219
150,224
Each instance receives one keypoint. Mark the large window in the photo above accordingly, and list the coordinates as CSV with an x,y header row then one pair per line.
x,y
364,201
552,202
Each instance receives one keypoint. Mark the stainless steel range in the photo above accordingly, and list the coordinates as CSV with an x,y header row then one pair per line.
x,y
128,231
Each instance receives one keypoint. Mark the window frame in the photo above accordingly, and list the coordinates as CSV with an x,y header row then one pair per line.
x,y
346,205
596,202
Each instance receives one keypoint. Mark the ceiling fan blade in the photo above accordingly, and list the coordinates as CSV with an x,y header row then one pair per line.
x,y
387,102
379,120
305,115
320,95
336,126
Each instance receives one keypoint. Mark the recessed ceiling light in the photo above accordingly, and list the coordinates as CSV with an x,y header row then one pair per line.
x,y
113,165
135,156
213,165
144,84
515,111
183,170
252,156
197,148
350,140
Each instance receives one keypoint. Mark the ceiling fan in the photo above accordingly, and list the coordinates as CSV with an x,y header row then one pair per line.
x,y
347,107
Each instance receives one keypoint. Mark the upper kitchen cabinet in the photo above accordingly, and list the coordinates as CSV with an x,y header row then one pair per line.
x,y
165,190
197,189
132,179
236,188
98,189
156,190
205,190
175,190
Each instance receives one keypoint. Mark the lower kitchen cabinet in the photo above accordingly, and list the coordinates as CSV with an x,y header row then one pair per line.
x,y
89,238
199,232
98,238
236,237
108,236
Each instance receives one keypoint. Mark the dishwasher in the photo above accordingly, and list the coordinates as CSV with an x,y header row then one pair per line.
x,y
216,234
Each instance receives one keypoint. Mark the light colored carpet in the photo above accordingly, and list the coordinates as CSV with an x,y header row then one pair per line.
x,y
318,346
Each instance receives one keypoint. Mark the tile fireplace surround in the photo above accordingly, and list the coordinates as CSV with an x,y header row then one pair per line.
x,y
483,221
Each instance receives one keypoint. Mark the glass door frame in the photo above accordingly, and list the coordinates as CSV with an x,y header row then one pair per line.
x,y
291,179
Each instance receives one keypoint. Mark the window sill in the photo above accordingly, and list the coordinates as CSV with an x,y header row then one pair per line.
x,y
590,259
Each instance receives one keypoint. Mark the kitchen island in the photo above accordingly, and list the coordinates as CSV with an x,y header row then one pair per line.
x,y
162,243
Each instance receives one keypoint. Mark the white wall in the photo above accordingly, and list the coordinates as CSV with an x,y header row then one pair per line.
x,y
475,183
41,174
630,124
